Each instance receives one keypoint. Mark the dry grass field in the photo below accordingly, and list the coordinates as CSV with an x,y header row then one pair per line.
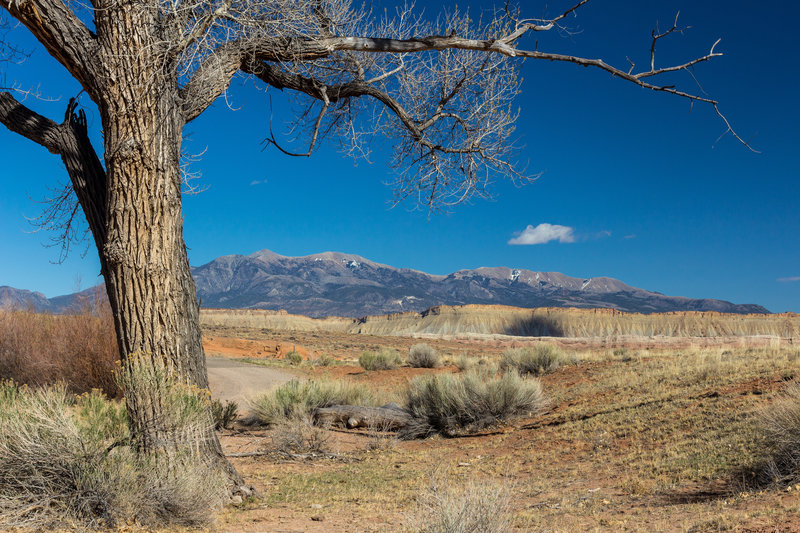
x,y
639,433
635,439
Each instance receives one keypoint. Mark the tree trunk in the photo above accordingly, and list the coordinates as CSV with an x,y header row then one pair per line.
x,y
148,279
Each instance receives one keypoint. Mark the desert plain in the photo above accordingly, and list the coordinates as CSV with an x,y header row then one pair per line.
x,y
655,423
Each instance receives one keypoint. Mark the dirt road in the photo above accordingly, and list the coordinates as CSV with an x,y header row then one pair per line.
x,y
232,380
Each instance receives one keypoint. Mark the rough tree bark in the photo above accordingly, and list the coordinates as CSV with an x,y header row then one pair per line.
x,y
147,274
133,206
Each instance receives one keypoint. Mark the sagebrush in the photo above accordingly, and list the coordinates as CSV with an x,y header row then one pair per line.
x,y
383,359
423,356
68,462
302,398
536,360
461,403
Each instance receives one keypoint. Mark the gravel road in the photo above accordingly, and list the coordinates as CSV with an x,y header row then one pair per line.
x,y
232,380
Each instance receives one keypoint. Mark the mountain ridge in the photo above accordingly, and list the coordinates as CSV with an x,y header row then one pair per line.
x,y
348,285
341,284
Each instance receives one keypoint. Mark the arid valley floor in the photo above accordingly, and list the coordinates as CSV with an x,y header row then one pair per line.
x,y
641,434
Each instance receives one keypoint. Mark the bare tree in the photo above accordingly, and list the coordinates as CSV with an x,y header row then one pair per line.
x,y
441,90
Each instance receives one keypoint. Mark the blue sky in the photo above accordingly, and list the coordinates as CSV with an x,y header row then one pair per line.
x,y
641,186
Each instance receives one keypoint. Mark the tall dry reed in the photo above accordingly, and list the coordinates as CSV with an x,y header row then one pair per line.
x,y
41,349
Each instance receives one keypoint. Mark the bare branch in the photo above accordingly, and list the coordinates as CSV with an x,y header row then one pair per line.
x,y
64,36
19,119
87,177
210,80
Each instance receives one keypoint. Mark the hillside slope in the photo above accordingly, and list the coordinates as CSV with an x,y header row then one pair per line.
x,y
504,320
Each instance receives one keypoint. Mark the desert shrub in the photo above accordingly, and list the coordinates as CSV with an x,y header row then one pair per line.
x,y
323,360
294,358
69,463
300,398
537,360
383,359
780,424
79,349
224,414
297,435
462,403
101,419
180,412
471,507
463,362
422,356
381,437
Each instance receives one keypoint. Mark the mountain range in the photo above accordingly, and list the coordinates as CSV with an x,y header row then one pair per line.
x,y
333,283
338,284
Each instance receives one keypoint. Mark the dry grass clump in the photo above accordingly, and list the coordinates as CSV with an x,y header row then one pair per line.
x,y
423,356
302,398
322,360
383,359
463,362
68,462
382,438
79,349
297,435
536,360
462,403
471,507
781,433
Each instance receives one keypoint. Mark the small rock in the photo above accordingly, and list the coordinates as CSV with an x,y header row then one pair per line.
x,y
316,506
236,500
317,518
245,490
464,464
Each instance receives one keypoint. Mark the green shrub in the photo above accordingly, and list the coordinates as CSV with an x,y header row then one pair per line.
x,y
301,398
383,359
422,356
101,419
224,415
537,360
69,463
462,403
294,358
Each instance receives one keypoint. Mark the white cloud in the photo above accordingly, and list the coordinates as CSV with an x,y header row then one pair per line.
x,y
544,233
257,182
631,236
789,279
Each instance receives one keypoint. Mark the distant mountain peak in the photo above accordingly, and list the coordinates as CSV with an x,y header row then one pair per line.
x,y
336,283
